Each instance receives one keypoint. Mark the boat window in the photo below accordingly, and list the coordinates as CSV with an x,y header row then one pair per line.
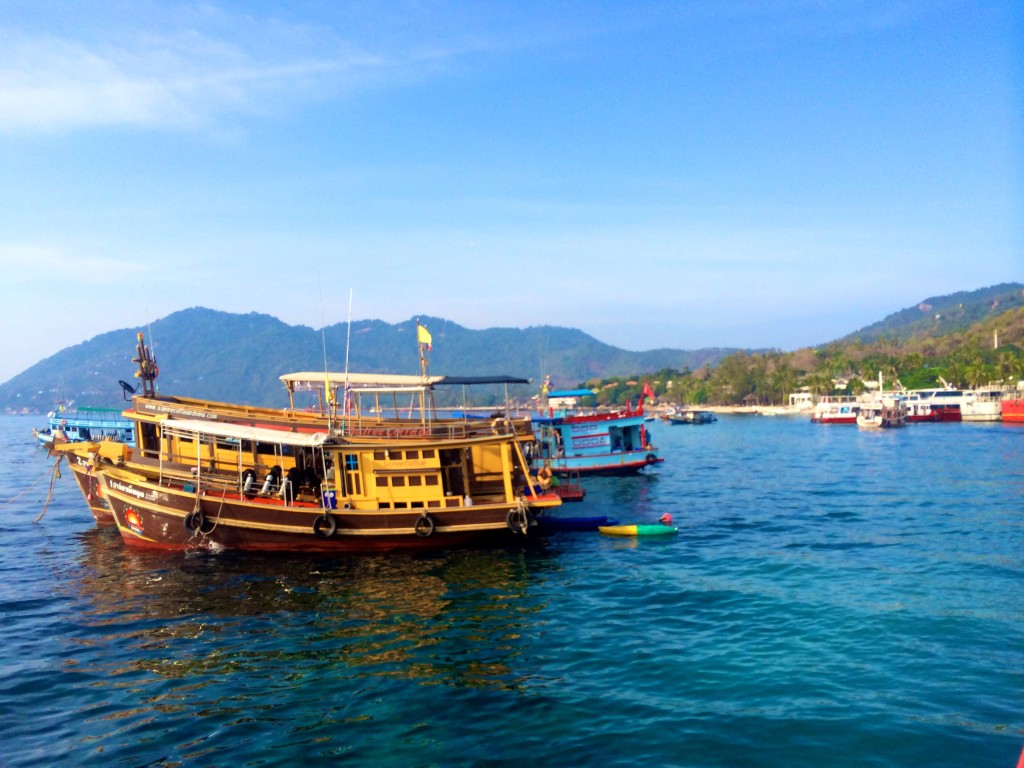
x,y
398,482
351,462
415,480
429,453
412,454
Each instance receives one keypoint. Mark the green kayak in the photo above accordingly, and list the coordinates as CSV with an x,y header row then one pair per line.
x,y
656,529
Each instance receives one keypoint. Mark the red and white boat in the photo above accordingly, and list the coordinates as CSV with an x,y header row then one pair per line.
x,y
935,404
1012,407
833,409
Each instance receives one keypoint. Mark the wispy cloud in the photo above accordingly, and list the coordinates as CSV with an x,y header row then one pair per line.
x,y
57,84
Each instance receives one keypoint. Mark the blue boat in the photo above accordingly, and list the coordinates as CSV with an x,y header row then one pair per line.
x,y
574,437
553,523
87,425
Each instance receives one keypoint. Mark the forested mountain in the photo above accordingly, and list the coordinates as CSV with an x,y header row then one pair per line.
x,y
942,315
238,358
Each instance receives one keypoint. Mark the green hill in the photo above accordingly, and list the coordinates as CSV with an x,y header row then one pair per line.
x,y
238,358
943,315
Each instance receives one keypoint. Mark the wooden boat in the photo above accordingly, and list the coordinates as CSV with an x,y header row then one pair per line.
x,y
689,416
884,413
338,495
473,463
572,438
638,529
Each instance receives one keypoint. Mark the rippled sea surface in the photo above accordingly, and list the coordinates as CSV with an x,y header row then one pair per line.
x,y
835,597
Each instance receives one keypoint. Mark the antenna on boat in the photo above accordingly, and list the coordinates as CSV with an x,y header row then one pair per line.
x,y
328,397
348,345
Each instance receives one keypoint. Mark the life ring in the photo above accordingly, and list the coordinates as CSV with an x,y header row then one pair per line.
x,y
324,526
518,520
194,521
424,525
651,458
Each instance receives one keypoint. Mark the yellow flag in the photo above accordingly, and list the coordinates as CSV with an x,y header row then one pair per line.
x,y
328,392
423,335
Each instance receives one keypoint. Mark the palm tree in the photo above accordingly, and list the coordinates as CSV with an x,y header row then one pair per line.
x,y
978,372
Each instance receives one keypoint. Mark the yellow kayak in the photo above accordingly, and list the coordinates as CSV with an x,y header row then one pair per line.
x,y
657,529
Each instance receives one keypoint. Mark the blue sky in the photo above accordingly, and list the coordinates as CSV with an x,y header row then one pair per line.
x,y
656,174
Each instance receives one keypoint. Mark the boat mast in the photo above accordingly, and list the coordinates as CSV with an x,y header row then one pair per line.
x,y
148,370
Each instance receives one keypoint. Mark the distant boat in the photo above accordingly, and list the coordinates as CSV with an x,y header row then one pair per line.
x,y
1012,407
884,413
689,416
836,410
87,425
984,403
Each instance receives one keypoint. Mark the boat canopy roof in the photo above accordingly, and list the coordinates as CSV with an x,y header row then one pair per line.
x,y
242,432
470,380
308,380
385,382
571,393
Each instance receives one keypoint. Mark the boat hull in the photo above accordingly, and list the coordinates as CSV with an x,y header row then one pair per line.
x,y
152,516
604,465
92,489
574,523
1012,410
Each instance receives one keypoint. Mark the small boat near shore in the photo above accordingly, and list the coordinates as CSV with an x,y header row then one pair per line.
x,y
688,416
885,413
833,409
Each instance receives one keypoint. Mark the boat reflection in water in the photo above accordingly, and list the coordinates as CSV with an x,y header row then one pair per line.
x,y
231,620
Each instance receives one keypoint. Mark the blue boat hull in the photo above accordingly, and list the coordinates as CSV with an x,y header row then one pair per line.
x,y
574,523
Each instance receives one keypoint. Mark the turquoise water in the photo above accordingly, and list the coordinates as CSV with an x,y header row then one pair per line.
x,y
834,598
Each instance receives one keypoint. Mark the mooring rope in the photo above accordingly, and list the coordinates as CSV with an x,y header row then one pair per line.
x,y
31,485
54,476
